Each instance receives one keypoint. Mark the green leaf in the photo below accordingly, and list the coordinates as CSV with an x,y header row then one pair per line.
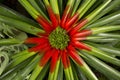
x,y
4,59
108,71
26,71
106,20
21,25
43,73
36,6
97,10
20,59
85,5
105,29
110,50
8,12
60,72
10,73
9,41
107,9
102,55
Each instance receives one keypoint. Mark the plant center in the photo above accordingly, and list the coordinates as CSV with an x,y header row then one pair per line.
x,y
59,38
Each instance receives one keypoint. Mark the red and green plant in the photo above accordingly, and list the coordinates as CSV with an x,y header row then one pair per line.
x,y
68,40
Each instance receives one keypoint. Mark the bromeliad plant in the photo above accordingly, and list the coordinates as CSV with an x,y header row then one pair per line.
x,y
69,40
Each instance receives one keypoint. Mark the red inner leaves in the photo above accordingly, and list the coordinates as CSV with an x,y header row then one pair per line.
x,y
44,23
76,57
46,57
52,17
65,59
64,16
78,26
35,40
81,45
38,48
83,33
35,48
72,26
42,44
58,18
71,21
78,38
54,60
